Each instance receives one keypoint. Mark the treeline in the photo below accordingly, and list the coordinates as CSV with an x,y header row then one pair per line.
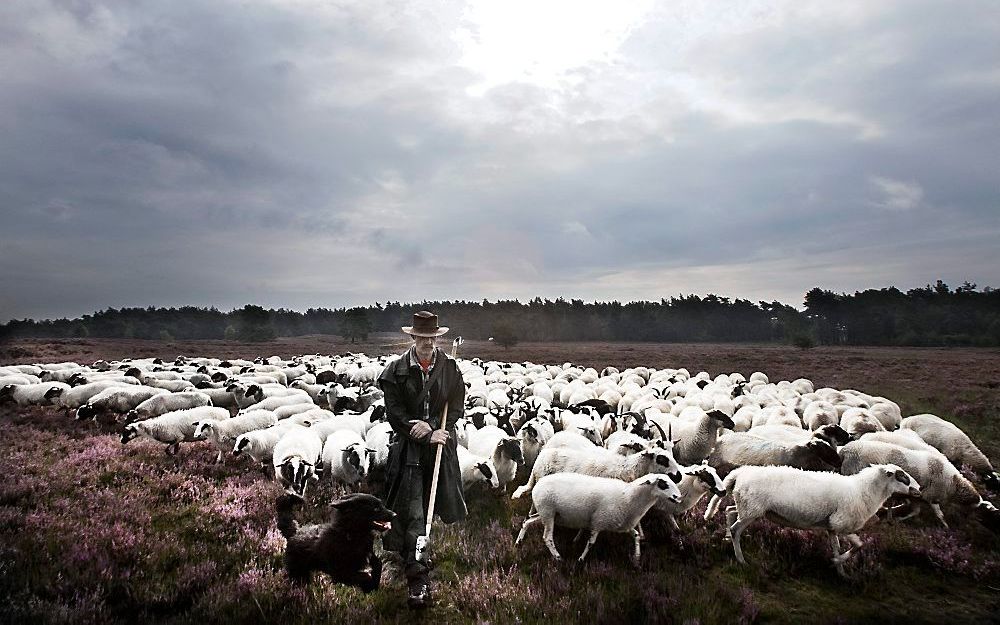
x,y
933,315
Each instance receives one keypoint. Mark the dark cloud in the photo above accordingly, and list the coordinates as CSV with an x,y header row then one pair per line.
x,y
317,154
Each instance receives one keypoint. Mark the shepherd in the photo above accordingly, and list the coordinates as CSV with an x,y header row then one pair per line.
x,y
419,387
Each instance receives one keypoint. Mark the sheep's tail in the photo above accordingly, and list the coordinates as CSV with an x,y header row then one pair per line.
x,y
287,525
716,501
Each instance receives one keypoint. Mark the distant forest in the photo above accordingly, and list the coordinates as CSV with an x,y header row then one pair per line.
x,y
935,315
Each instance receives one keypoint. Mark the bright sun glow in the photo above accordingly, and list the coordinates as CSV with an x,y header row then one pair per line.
x,y
542,41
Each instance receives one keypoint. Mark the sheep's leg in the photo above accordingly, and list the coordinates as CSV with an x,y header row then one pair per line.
x,y
835,547
731,515
737,529
635,551
638,530
590,541
268,471
531,520
939,513
673,523
713,506
547,537
578,536
218,459
840,559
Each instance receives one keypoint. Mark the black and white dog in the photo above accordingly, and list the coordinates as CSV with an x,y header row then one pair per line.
x,y
341,548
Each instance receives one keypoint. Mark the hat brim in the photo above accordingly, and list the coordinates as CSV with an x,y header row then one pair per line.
x,y
409,330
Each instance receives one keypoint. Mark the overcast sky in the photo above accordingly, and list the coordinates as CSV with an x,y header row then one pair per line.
x,y
306,153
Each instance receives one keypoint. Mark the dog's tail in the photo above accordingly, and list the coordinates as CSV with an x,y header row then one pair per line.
x,y
287,525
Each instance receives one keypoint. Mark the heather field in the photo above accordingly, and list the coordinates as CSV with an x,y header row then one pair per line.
x,y
95,532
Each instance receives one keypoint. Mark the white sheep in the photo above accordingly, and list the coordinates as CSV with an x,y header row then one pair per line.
x,y
955,444
887,412
476,469
841,505
505,451
222,434
695,436
818,413
737,449
80,395
259,444
168,402
271,403
295,457
534,434
569,440
858,421
173,428
40,394
117,400
596,503
602,463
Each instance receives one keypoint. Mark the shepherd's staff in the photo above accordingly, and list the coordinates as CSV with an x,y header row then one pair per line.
x,y
422,541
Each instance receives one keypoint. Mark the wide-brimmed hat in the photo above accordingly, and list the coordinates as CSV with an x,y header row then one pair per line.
x,y
424,324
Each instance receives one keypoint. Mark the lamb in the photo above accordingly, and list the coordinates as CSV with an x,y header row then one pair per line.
x,y
476,469
841,505
955,444
736,449
222,434
695,438
940,482
346,458
116,400
295,457
697,480
602,463
40,394
168,402
173,428
595,503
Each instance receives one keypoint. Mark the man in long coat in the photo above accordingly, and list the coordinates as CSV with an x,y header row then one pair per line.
x,y
415,416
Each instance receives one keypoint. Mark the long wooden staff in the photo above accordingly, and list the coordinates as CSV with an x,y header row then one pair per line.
x,y
422,541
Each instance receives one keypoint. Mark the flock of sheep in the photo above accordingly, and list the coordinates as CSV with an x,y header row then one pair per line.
x,y
595,450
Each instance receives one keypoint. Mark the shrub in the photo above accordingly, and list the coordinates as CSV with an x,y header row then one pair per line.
x,y
803,341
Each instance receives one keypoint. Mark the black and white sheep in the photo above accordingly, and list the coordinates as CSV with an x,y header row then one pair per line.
x,y
295,457
173,428
223,434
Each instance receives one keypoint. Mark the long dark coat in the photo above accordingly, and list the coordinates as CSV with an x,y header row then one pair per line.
x,y
401,382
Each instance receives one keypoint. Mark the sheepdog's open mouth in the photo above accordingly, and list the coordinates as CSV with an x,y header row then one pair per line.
x,y
382,526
